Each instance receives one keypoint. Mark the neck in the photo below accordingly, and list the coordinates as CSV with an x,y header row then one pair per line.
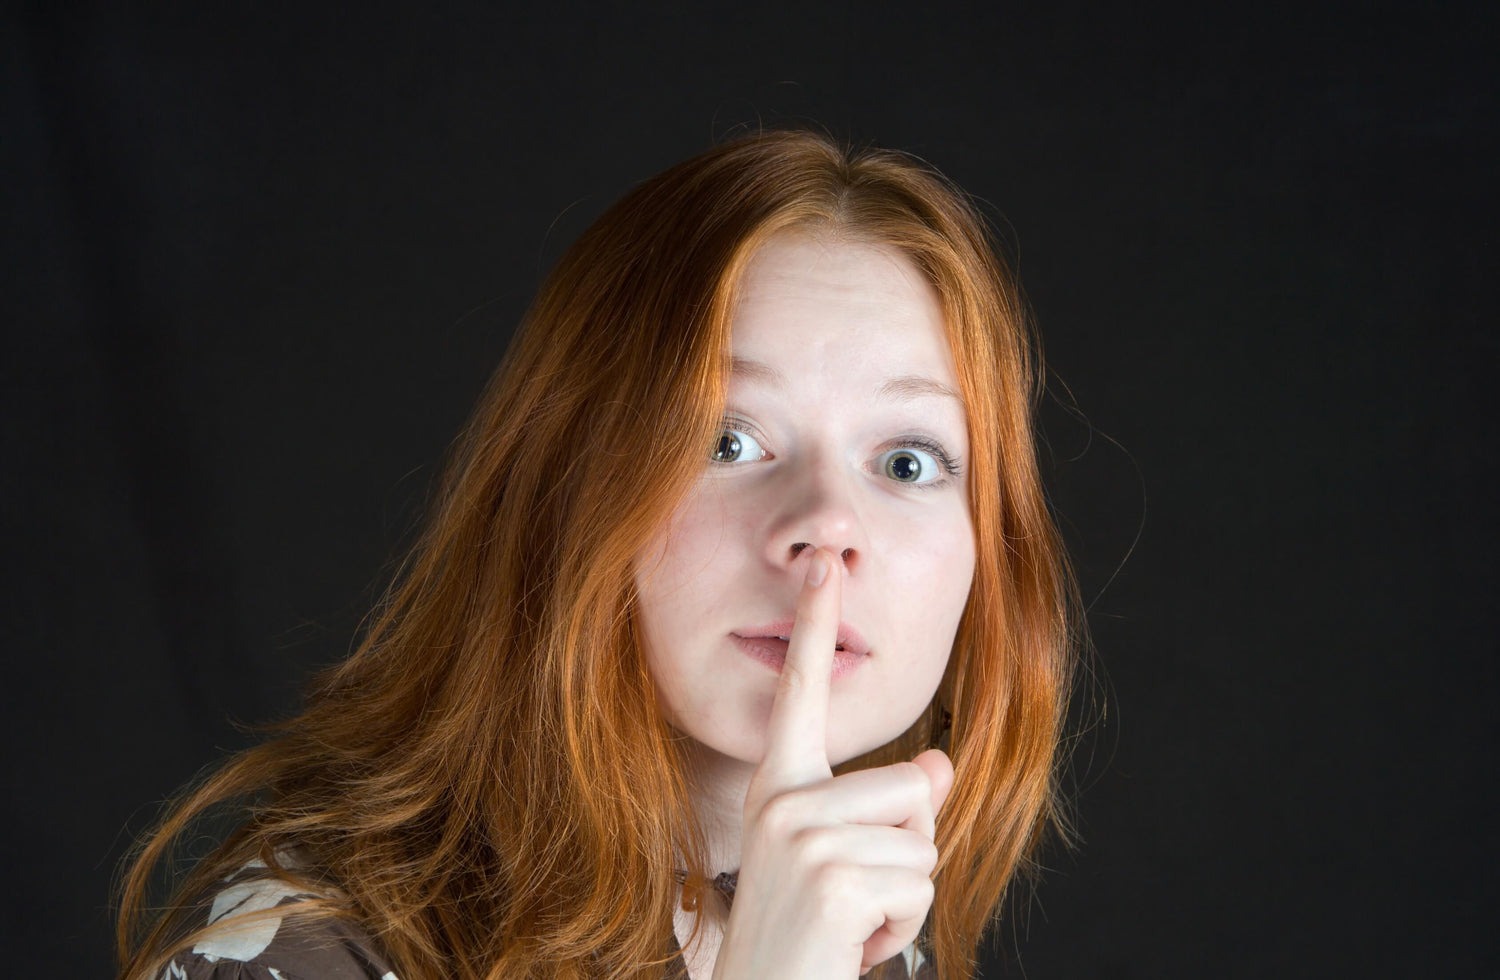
x,y
718,784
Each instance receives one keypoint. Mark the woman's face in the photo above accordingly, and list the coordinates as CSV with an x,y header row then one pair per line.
x,y
843,429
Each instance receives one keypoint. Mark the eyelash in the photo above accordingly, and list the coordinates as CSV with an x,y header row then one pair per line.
x,y
950,465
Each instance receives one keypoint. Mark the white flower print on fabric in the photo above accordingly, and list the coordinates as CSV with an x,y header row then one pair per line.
x,y
247,941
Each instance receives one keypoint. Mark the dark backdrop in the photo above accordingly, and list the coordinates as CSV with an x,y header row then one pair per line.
x,y
259,262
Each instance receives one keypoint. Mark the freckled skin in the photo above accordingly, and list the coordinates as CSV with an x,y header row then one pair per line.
x,y
836,320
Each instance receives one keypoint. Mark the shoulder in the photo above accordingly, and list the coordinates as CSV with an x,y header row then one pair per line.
x,y
259,935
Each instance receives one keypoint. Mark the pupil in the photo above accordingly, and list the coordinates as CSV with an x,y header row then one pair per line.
x,y
905,467
727,449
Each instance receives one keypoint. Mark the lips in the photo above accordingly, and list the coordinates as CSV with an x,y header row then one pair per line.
x,y
768,643
848,639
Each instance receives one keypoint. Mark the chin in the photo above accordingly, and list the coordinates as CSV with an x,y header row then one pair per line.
x,y
731,743
838,756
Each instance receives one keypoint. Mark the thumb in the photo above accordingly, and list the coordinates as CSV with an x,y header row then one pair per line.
x,y
939,769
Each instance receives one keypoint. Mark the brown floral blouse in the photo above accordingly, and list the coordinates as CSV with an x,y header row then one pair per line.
x,y
291,947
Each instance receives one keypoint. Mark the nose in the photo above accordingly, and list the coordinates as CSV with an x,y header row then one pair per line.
x,y
818,511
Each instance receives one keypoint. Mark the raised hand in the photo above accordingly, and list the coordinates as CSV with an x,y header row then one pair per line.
x,y
835,873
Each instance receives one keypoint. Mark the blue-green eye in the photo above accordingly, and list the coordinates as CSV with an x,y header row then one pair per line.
x,y
736,446
910,465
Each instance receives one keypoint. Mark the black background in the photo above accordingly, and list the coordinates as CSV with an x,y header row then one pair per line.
x,y
262,256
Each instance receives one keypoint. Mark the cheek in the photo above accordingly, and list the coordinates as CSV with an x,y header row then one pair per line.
x,y
674,567
927,594
932,566
678,576
925,599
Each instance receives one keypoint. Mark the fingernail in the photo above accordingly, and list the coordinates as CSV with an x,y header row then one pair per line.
x,y
817,569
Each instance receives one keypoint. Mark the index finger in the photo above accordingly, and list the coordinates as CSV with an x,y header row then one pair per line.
x,y
797,736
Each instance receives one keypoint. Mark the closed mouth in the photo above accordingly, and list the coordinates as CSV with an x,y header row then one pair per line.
x,y
848,638
771,650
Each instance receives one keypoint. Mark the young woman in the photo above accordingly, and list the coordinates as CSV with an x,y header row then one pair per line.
x,y
744,542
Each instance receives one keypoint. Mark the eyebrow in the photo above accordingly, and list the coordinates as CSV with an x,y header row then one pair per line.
x,y
903,388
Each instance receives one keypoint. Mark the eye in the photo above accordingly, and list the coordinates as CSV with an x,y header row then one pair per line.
x,y
736,446
910,465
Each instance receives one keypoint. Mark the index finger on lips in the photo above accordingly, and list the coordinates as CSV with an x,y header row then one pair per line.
x,y
797,736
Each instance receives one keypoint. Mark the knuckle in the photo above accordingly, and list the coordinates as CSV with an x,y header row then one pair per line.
x,y
808,845
923,890
918,887
930,856
781,816
792,678
835,888
915,778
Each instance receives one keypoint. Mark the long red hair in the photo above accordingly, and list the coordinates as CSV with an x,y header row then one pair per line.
x,y
487,785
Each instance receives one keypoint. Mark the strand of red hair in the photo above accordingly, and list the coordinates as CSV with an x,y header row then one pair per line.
x,y
487,785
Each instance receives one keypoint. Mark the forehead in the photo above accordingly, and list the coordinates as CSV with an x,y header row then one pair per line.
x,y
804,296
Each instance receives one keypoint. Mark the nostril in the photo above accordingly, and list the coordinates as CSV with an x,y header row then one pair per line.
x,y
845,556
